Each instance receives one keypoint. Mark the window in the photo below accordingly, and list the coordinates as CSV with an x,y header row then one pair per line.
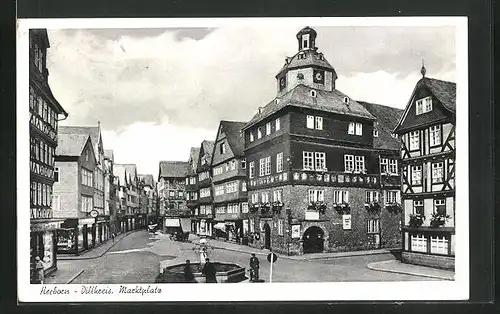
x,y
277,195
243,186
375,133
39,194
313,93
192,180
187,180
205,192
310,122
418,207
373,226
255,198
391,197
56,174
439,245
371,196
268,165
268,128
87,177
359,164
264,197
223,148
318,123
416,175
384,168
393,166
435,135
233,208
219,190
220,209
251,170
418,243
437,172
414,140
307,161
244,207
350,129
424,105
316,195
259,133
359,129
252,225
232,187
320,161
233,164
251,137
280,227
277,123
348,163
340,196
279,162
243,164
440,206
262,164
180,193
86,205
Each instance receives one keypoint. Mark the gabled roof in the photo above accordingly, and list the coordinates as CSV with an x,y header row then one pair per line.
x,y
234,135
71,144
172,169
126,173
327,101
311,58
120,172
444,91
207,148
147,179
93,131
194,154
386,119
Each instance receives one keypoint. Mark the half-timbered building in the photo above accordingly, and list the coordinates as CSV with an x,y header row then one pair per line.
x,y
171,189
204,211
192,188
427,133
229,182
45,113
313,164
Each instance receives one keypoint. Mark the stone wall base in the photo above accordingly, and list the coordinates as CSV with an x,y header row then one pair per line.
x,y
436,261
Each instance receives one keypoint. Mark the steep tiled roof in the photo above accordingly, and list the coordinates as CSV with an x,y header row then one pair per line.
x,y
147,179
386,119
311,59
208,147
173,169
300,96
445,91
234,136
131,171
93,131
194,154
71,144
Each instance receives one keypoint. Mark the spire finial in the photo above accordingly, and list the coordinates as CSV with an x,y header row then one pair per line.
x,y
423,70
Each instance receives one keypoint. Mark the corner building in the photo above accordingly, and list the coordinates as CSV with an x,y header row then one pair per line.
x,y
427,132
314,158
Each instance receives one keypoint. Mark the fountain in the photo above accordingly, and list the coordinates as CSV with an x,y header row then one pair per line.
x,y
225,273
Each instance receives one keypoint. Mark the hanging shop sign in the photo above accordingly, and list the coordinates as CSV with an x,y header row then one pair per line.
x,y
346,222
94,213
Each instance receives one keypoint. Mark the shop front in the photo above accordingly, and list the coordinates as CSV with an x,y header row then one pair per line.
x,y
76,235
103,229
43,245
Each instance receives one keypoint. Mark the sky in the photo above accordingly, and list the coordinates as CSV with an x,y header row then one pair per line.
x,y
158,92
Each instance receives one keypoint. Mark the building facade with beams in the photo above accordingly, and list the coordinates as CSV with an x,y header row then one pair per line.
x,y
313,165
103,217
45,113
171,188
111,192
229,182
204,211
129,194
150,196
191,188
427,132
74,193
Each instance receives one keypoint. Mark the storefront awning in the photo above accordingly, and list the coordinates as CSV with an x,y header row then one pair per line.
x,y
221,226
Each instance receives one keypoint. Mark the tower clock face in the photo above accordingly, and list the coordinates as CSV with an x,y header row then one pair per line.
x,y
319,76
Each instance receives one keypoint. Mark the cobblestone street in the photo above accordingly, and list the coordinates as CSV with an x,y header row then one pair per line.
x,y
136,259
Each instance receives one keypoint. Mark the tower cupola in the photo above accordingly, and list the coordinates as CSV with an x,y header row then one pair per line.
x,y
307,38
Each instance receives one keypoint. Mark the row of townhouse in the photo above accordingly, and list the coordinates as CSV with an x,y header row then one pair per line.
x,y
77,198
316,171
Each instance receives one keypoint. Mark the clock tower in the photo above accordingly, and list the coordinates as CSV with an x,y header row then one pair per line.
x,y
307,67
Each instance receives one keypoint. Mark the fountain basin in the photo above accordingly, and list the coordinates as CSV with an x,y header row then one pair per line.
x,y
225,273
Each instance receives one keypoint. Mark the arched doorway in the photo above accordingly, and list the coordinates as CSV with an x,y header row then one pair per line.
x,y
313,240
267,236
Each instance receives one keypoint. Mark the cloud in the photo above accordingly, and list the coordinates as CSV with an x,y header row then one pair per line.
x,y
142,84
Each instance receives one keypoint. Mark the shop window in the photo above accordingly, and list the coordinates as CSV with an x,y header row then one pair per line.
x,y
418,243
439,245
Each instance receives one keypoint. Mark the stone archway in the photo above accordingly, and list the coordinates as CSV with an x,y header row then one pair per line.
x,y
313,240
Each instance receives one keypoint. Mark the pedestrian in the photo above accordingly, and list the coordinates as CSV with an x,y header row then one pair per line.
x,y
188,272
209,272
40,275
203,255
254,268
113,235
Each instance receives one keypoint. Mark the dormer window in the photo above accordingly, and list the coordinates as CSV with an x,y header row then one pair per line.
x,y
223,148
301,56
313,93
375,133
251,137
423,105
320,56
346,100
259,133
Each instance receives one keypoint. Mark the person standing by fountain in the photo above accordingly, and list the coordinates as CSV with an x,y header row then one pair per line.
x,y
188,272
209,272
254,268
203,256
